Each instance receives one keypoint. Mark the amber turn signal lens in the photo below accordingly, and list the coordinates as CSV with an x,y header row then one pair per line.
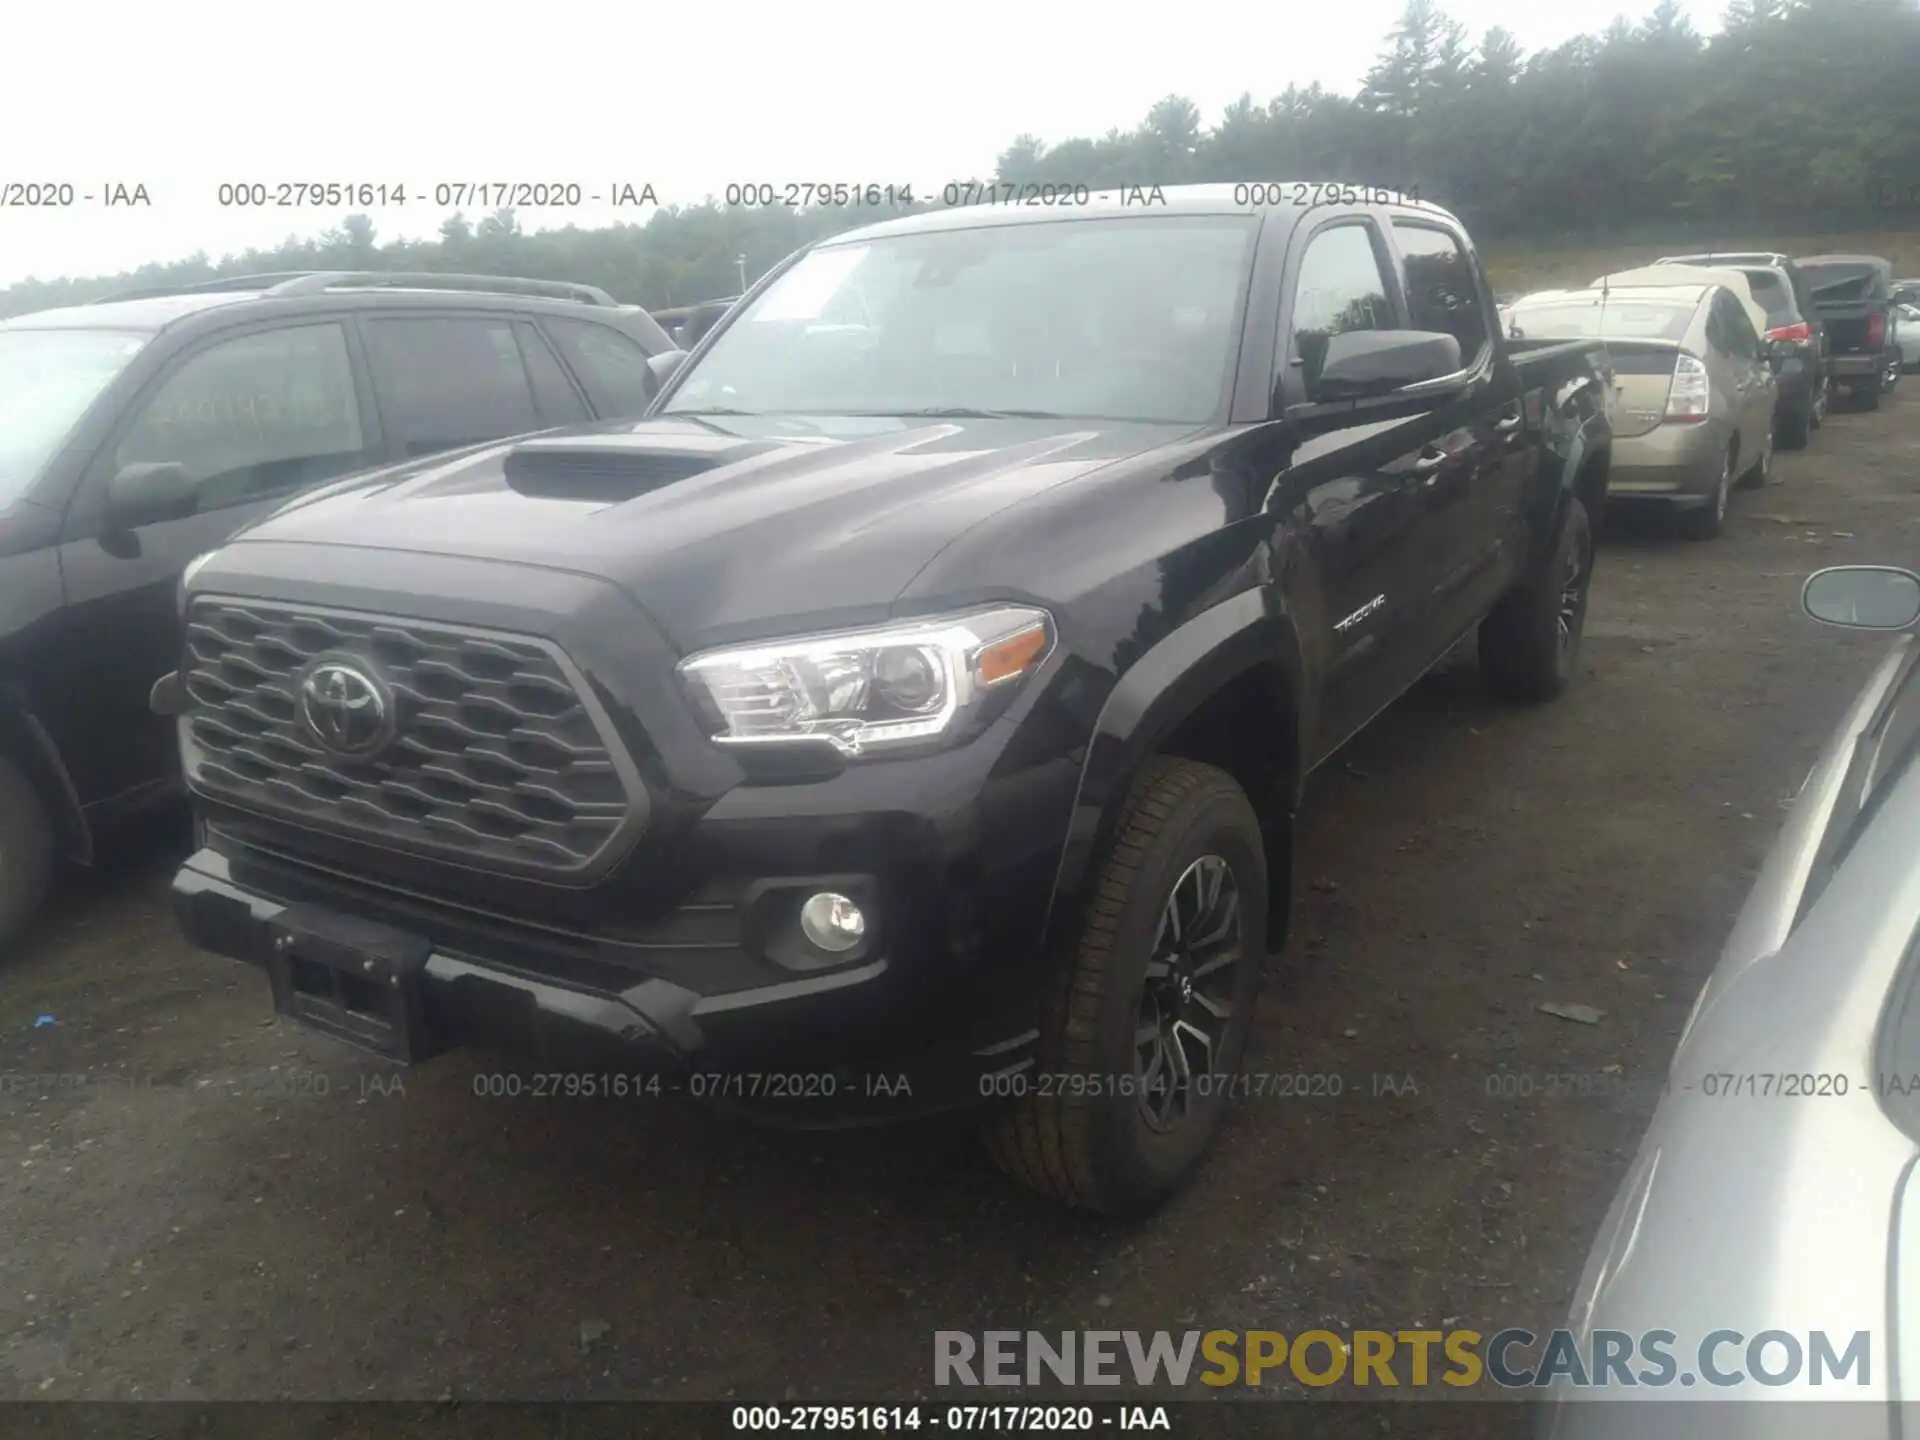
x,y
1012,656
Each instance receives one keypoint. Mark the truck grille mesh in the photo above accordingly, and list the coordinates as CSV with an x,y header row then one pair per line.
x,y
500,759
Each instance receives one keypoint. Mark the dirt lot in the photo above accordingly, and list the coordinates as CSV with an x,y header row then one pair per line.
x,y
194,1221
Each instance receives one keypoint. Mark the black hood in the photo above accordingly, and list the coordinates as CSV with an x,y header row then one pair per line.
x,y
717,525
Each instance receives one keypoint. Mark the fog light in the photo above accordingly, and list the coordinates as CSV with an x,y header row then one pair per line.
x,y
833,922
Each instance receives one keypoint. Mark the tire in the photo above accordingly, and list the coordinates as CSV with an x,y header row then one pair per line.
x,y
1793,429
1088,1140
1710,519
1867,397
1530,642
1761,472
26,853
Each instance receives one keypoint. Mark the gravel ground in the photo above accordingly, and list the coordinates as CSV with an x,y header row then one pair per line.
x,y
227,1208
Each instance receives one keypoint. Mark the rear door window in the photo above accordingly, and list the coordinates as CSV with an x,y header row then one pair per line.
x,y
444,382
559,403
612,368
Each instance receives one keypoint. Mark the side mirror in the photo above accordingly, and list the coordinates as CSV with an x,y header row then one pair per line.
x,y
148,493
1863,597
665,366
1360,363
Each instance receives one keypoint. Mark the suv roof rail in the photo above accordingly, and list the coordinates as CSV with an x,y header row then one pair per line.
x,y
263,281
319,281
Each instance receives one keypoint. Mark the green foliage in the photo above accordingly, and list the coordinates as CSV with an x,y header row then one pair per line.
x,y
1796,117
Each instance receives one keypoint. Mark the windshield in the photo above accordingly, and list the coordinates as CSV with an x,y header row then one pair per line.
x,y
1134,319
47,380
1615,320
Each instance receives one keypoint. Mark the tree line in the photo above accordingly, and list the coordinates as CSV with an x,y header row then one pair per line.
x,y
1801,114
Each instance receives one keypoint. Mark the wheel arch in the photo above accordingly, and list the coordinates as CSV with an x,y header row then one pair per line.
x,y
1224,690
25,741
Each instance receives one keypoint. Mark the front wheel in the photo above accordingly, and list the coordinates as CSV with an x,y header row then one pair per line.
x,y
1142,1039
1530,643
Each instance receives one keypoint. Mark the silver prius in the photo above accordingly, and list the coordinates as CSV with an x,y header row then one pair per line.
x,y
1694,387
1764,1246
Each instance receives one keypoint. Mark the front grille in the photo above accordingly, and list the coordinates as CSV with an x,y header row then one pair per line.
x,y
499,758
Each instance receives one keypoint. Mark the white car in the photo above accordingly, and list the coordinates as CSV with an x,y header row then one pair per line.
x,y
1907,335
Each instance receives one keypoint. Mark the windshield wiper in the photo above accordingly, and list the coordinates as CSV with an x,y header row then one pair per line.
x,y
961,412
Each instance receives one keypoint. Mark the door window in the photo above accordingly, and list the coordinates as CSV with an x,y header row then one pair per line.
x,y
1736,329
1443,291
553,393
444,382
260,415
611,367
1340,288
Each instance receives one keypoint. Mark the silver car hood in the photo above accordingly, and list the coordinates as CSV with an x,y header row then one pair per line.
x,y
1751,1212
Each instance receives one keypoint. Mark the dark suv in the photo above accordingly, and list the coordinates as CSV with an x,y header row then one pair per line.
x,y
1782,288
141,431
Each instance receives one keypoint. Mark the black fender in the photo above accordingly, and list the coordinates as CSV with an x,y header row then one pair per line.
x,y
1159,691
25,741
1573,464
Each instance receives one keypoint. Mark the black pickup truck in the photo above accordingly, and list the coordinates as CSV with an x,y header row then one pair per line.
x,y
912,711
1854,297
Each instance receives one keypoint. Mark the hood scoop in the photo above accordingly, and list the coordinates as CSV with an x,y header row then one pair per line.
x,y
611,473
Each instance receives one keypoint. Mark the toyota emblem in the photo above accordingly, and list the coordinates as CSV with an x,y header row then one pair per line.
x,y
347,709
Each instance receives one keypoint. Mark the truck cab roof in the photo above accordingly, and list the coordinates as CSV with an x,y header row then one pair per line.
x,y
1026,204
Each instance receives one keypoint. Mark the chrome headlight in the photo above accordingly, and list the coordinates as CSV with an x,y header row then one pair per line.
x,y
866,690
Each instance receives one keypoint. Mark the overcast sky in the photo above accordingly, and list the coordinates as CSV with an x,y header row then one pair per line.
x,y
181,97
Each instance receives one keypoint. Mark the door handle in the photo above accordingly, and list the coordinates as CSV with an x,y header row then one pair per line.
x,y
1427,464
1506,425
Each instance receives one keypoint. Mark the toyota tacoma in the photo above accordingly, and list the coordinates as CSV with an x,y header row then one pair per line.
x,y
916,702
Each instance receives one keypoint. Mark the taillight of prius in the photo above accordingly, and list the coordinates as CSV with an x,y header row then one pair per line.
x,y
1689,394
1801,331
1876,329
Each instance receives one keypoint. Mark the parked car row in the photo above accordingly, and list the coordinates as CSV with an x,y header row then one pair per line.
x,y
1719,357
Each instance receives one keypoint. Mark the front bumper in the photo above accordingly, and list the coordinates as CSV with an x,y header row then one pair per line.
x,y
805,1050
